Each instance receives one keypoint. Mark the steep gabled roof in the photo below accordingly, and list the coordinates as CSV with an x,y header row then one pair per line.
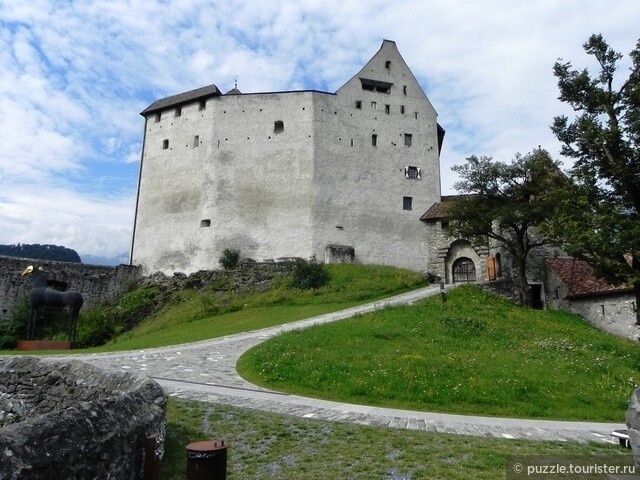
x,y
182,98
577,275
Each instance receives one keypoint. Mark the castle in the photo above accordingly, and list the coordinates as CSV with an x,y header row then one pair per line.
x,y
342,176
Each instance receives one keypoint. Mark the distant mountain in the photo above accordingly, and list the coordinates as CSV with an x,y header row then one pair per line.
x,y
41,252
109,261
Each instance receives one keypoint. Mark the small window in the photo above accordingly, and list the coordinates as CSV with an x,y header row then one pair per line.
x,y
415,114
412,172
407,203
358,104
178,111
158,117
278,126
165,144
402,109
374,140
205,223
408,139
203,105
196,141
387,64
404,89
444,223
387,109
374,105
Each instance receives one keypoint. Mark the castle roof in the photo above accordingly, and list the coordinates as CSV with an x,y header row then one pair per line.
x,y
182,98
578,276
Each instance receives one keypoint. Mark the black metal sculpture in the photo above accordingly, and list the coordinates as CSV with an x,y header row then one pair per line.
x,y
43,295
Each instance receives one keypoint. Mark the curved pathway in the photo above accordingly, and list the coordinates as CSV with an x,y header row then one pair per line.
x,y
206,371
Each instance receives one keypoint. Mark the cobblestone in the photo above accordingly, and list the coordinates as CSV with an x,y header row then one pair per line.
x,y
206,371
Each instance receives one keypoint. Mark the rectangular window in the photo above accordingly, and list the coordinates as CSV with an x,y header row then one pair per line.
x,y
407,203
165,144
178,111
408,139
196,141
374,105
158,117
358,104
374,140
205,223
203,105
415,114
387,109
402,109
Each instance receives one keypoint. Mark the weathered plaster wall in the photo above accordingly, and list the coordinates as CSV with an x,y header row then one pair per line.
x,y
290,193
72,420
98,284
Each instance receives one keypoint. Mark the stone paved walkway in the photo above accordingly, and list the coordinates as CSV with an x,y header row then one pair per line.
x,y
206,371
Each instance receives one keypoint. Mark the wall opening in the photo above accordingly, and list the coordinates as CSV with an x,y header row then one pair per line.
x,y
205,223
278,126
407,203
165,144
408,139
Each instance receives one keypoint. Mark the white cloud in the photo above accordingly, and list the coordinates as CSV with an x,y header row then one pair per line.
x,y
75,76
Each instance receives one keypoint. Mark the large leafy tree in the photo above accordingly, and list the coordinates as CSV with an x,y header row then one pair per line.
x,y
600,218
504,203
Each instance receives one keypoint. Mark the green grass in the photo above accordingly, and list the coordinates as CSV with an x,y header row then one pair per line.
x,y
195,315
475,354
272,446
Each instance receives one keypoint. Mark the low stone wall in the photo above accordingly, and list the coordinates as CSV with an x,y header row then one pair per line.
x,y
97,283
73,420
632,419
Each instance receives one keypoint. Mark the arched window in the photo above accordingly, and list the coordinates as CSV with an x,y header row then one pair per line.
x,y
464,271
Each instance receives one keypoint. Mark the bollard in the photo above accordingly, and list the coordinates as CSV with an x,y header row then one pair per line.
x,y
207,460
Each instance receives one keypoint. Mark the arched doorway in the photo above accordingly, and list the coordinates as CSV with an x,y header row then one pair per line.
x,y
464,271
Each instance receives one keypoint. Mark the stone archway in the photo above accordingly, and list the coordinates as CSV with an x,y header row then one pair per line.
x,y
464,270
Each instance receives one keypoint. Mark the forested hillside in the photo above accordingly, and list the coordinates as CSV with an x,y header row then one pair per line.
x,y
41,252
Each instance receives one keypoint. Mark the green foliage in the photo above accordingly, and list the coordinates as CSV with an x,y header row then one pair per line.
x,y
40,252
229,259
95,328
505,203
309,274
12,329
599,219
474,354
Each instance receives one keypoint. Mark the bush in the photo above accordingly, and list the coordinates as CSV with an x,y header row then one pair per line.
x,y
229,259
95,328
309,275
12,329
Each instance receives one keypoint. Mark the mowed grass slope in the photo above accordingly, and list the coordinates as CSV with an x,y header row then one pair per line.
x,y
195,315
474,354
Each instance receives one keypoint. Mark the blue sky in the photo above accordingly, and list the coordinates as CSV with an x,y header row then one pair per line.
x,y
76,74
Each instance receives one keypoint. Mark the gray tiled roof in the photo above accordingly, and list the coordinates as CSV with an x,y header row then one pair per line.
x,y
182,98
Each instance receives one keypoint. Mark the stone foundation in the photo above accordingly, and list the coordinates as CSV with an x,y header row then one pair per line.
x,y
73,420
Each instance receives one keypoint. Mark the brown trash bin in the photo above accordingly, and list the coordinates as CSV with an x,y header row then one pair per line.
x,y
207,460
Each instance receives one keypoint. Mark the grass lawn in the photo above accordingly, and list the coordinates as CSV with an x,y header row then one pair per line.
x,y
474,354
271,446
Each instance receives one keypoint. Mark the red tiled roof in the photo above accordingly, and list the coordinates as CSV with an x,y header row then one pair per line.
x,y
577,275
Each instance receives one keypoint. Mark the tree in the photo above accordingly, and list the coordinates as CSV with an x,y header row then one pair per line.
x,y
599,221
504,203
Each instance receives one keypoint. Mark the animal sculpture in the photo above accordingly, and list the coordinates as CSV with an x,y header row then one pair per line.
x,y
42,295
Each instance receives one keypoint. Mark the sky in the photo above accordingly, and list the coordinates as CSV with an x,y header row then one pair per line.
x,y
75,75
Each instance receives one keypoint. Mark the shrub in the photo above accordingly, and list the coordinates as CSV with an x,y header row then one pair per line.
x,y
12,329
229,259
309,274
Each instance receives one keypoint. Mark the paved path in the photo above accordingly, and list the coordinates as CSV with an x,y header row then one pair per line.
x,y
206,371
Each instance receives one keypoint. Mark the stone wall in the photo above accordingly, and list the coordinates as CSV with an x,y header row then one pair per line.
x,y
98,284
73,420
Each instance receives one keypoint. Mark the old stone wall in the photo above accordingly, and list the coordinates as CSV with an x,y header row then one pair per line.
x,y
73,420
98,284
